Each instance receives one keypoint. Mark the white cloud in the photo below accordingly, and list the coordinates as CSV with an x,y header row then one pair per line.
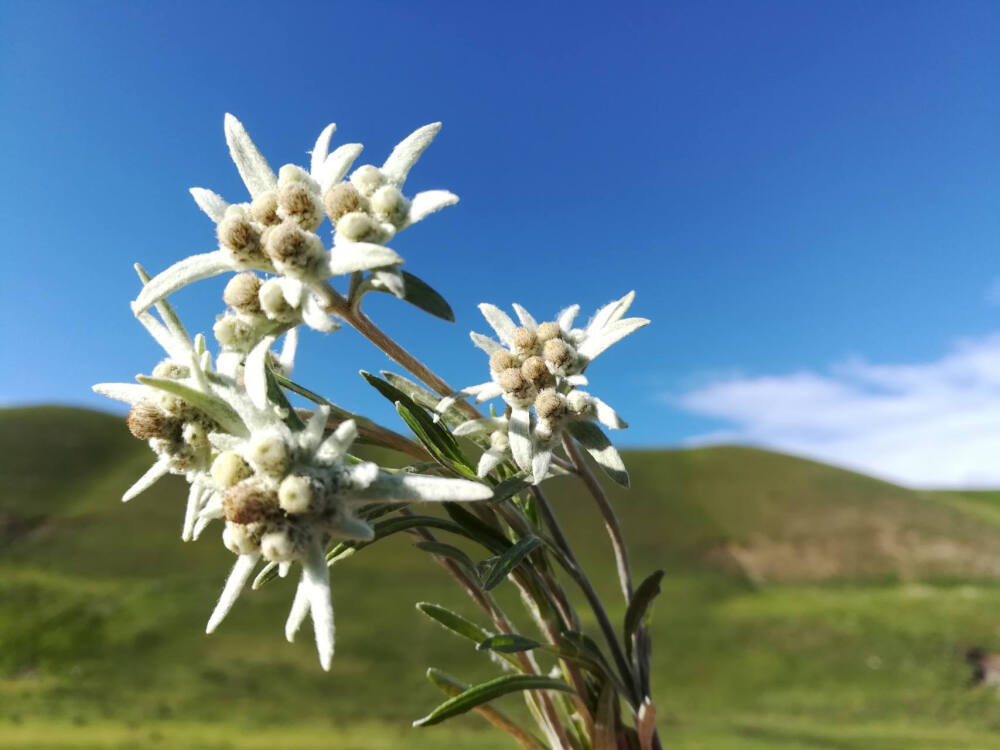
x,y
932,424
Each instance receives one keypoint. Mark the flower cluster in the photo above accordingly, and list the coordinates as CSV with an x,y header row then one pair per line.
x,y
277,232
537,368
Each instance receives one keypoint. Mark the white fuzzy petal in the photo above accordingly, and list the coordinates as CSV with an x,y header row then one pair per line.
x,y
391,279
311,437
337,165
321,150
283,568
174,349
153,474
485,343
421,488
519,432
292,290
195,494
610,313
253,167
300,608
577,380
213,508
340,441
182,273
286,360
199,526
540,465
314,316
427,202
527,320
566,317
601,339
349,257
488,462
406,153
488,391
130,393
479,426
607,416
235,584
499,321
255,372
228,364
316,576
213,204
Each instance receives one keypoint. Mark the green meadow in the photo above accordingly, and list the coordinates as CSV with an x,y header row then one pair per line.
x,y
804,607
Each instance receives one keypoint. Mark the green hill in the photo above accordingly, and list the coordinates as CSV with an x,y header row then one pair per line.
x,y
804,607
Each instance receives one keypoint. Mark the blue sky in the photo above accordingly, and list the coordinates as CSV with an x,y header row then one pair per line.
x,y
793,189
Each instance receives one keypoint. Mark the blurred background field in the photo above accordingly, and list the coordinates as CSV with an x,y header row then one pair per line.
x,y
804,607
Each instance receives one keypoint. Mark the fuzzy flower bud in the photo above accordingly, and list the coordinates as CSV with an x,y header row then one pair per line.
x,y
239,236
535,371
277,545
578,402
264,209
515,385
241,293
358,226
499,441
342,198
171,370
297,202
295,494
367,179
234,332
290,248
146,421
549,404
502,360
557,353
525,341
239,539
390,205
547,332
249,501
228,469
269,455
273,302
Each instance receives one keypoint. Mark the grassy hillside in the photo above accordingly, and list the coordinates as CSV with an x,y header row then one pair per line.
x,y
805,607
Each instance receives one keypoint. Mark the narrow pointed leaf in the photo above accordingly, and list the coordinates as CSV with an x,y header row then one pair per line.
x,y
508,643
454,622
214,407
638,608
183,272
488,691
600,448
448,552
496,569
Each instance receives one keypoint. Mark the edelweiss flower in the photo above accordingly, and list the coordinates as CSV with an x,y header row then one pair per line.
x,y
371,207
276,231
539,366
283,487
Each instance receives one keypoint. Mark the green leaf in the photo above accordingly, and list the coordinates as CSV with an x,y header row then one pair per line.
x,y
430,436
449,552
510,487
582,648
433,435
488,691
423,397
508,643
454,622
477,529
597,444
276,395
495,569
212,406
419,294
637,609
